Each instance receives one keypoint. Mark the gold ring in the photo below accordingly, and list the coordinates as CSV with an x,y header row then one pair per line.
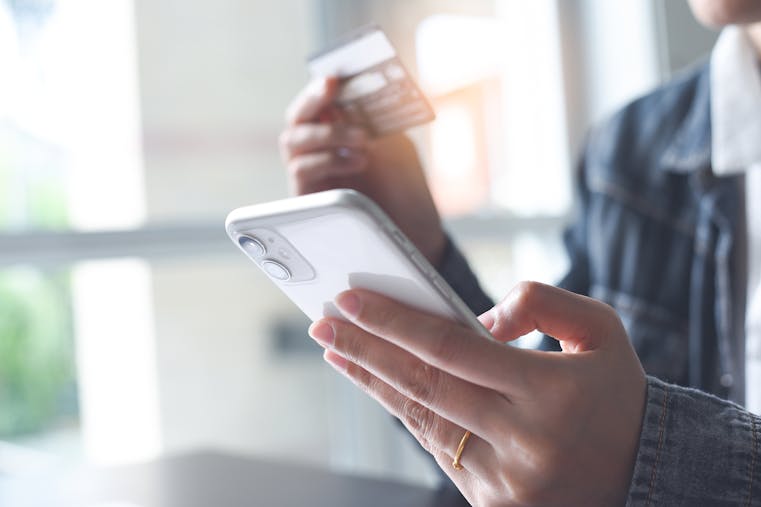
x,y
464,440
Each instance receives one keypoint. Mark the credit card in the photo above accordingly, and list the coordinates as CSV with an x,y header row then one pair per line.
x,y
376,90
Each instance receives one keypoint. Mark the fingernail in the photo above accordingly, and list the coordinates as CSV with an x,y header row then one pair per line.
x,y
322,333
337,362
348,303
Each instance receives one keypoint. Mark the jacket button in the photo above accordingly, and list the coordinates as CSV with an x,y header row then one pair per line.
x,y
727,380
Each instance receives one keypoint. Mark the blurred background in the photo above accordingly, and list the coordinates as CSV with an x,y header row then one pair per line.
x,y
130,327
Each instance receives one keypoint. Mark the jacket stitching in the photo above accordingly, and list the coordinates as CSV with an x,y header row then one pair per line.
x,y
686,163
661,431
752,466
622,195
638,307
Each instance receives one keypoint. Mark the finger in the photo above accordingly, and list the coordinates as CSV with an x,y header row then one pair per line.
x,y
312,100
308,169
459,401
579,322
441,342
310,137
436,435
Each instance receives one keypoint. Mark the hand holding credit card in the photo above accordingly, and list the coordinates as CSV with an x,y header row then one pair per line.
x,y
376,91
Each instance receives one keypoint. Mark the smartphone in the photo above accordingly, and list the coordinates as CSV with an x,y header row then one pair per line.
x,y
315,246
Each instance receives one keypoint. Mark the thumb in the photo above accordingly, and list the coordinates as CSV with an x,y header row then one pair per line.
x,y
578,322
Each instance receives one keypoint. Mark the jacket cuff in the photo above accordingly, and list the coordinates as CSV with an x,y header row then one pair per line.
x,y
695,449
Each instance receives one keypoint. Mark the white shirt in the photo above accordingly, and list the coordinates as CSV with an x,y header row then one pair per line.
x,y
736,148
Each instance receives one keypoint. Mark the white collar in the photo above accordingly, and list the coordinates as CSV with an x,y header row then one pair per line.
x,y
735,103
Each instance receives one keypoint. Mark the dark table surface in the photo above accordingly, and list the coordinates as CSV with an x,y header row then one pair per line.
x,y
213,479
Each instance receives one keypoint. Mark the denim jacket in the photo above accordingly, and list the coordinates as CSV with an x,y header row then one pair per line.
x,y
662,240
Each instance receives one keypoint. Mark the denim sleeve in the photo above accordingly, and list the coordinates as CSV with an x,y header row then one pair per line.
x,y
456,271
696,449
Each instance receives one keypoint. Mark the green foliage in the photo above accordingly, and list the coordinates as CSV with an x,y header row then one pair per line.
x,y
37,374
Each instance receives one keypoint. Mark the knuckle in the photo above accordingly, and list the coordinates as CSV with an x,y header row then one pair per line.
x,y
526,293
424,383
306,137
420,421
298,137
445,344
350,135
611,314
364,379
432,431
295,167
323,134
353,350
607,318
310,166
284,139
369,383
328,161
413,413
320,135
381,313
350,345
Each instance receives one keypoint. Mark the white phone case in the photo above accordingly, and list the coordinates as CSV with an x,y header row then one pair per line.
x,y
318,245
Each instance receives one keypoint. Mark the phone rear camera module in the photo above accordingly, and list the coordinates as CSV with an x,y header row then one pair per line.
x,y
276,270
272,252
252,246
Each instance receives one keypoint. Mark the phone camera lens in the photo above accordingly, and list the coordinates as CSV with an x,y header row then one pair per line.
x,y
276,270
252,246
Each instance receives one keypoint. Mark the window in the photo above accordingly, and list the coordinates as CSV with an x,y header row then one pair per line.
x,y
497,83
71,162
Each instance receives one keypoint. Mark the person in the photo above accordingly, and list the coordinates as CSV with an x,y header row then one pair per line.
x,y
651,318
